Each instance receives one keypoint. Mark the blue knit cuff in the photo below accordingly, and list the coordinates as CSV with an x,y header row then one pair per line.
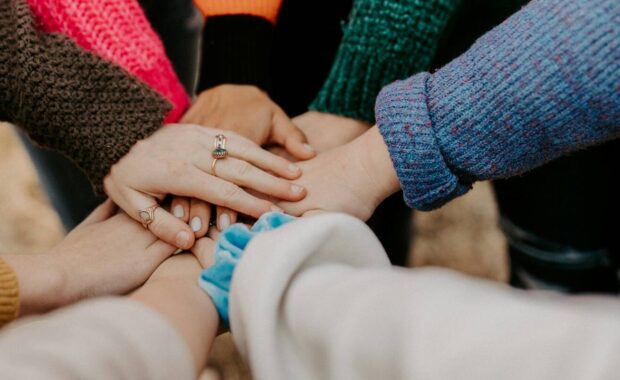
x,y
405,122
229,249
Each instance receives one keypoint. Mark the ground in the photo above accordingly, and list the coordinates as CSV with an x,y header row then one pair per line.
x,y
462,235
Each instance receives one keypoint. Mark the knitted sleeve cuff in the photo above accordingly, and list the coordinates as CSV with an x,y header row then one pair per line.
x,y
236,49
9,294
405,122
382,42
354,81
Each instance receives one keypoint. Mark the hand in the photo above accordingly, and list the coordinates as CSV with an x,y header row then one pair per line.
x,y
326,131
354,178
105,254
249,112
177,160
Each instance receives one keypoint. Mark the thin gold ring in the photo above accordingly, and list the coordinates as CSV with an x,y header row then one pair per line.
x,y
213,166
147,215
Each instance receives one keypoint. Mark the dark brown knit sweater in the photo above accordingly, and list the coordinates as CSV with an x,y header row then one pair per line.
x,y
68,99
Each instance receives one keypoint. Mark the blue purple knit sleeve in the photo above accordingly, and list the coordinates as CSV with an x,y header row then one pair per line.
x,y
544,83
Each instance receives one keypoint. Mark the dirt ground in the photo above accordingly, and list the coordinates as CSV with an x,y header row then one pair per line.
x,y
462,235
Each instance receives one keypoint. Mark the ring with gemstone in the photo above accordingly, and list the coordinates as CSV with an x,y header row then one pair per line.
x,y
147,215
220,147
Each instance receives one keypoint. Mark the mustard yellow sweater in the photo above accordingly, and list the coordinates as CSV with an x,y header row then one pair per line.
x,y
9,294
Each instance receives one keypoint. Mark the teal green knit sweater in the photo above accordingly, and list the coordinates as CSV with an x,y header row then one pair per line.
x,y
384,40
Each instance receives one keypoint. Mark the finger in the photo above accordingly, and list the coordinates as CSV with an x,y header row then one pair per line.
x,y
204,250
287,134
214,233
200,215
180,208
263,159
225,217
101,213
246,175
160,251
195,183
164,225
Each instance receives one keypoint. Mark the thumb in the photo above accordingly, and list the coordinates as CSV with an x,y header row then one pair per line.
x,y
287,134
101,213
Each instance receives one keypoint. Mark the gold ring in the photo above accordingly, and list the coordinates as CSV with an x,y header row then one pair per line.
x,y
213,166
219,145
147,215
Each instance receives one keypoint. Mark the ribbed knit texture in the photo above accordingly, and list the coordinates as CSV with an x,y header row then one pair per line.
x,y
119,32
68,99
267,9
384,40
236,49
544,83
9,294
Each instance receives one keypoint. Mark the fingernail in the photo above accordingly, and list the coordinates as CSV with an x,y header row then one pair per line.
x,y
179,211
177,251
296,189
276,209
293,168
308,147
224,221
183,239
196,224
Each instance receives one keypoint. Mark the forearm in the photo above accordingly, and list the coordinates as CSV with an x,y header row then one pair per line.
x,y
236,42
384,40
186,307
541,85
110,338
94,118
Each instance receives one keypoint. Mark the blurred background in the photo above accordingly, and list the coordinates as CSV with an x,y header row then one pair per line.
x,y
463,235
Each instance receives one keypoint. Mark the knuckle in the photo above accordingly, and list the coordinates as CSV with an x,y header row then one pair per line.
x,y
230,192
243,169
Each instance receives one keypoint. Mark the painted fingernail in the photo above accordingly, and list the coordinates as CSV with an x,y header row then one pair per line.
x,y
179,211
182,239
295,189
308,147
224,221
196,224
293,168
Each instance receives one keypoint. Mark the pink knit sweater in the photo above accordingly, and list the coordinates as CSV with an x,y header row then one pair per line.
x,y
116,30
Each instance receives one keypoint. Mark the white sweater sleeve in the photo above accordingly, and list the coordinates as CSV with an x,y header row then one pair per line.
x,y
111,338
317,299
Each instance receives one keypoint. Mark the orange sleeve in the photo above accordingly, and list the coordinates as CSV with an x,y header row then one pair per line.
x,y
267,9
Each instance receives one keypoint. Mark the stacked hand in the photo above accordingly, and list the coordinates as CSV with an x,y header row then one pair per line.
x,y
178,160
249,112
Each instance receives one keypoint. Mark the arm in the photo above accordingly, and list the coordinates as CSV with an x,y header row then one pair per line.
x,y
106,254
69,100
542,84
163,331
317,299
383,40
236,42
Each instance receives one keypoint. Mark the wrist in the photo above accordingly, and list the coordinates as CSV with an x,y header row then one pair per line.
x,y
374,157
41,282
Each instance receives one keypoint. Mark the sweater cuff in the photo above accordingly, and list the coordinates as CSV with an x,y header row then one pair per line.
x,y
9,294
349,89
236,49
405,122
